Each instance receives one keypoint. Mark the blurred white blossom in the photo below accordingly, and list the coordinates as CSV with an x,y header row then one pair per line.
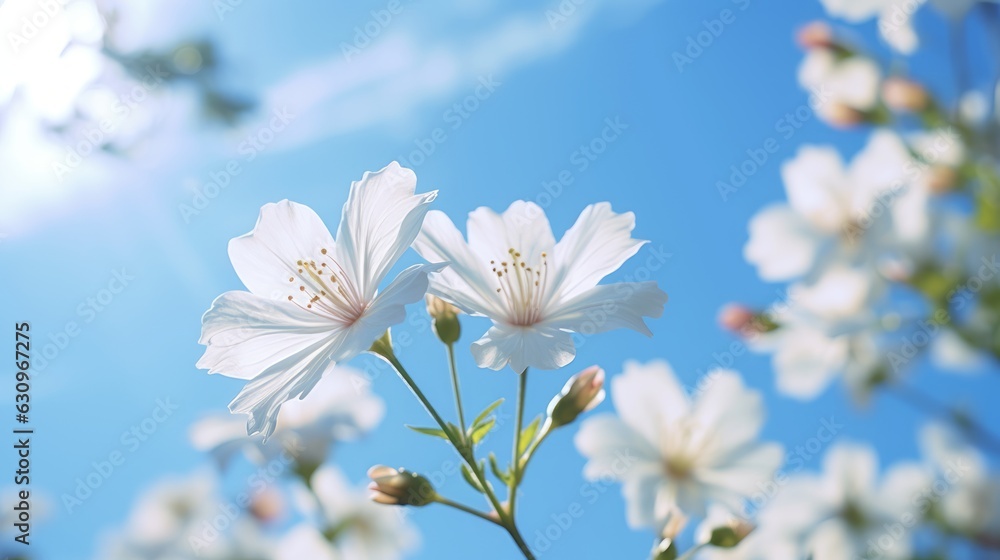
x,y
341,407
674,450
970,501
843,90
837,213
358,528
847,511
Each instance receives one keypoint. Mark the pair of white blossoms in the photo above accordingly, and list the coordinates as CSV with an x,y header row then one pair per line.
x,y
314,300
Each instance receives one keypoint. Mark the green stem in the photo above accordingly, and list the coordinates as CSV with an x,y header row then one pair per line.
x,y
691,553
455,387
515,478
383,349
467,509
543,433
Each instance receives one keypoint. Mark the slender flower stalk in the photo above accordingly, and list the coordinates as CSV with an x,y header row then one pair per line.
x,y
383,348
455,386
515,479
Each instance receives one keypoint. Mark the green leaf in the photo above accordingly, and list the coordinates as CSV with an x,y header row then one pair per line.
x,y
503,475
486,412
528,435
471,479
429,432
480,431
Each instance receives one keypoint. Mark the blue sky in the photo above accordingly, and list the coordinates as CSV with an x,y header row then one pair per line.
x,y
555,89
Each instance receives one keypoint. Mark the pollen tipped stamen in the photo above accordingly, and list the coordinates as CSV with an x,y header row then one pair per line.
x,y
522,286
338,303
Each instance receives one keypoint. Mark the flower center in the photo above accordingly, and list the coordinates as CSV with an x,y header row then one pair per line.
x,y
678,468
854,515
522,287
323,288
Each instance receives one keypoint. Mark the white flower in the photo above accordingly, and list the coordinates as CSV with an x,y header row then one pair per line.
x,y
845,512
341,407
361,529
843,90
671,450
967,497
808,358
314,301
170,510
835,212
305,541
827,328
895,18
178,519
536,291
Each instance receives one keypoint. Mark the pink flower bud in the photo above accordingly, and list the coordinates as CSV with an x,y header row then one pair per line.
x,y
901,94
581,393
815,35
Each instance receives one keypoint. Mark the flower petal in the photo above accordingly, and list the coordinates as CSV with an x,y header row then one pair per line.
x,y
743,473
389,307
265,258
598,244
782,244
381,218
613,448
853,11
648,397
539,347
245,333
730,414
608,307
853,468
522,227
644,499
304,541
466,282
221,436
807,361
816,183
291,377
